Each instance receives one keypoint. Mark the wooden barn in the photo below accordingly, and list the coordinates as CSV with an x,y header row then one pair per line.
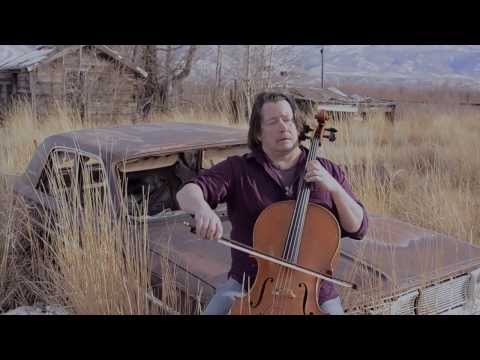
x,y
340,105
93,79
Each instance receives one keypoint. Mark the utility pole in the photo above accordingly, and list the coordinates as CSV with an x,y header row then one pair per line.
x,y
218,73
321,52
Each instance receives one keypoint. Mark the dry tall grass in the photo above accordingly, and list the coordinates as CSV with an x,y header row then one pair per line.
x,y
90,261
199,114
7,242
94,260
422,169
21,132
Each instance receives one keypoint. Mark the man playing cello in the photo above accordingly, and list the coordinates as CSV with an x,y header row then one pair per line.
x,y
270,173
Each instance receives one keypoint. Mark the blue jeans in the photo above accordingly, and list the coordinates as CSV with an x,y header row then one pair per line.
x,y
222,301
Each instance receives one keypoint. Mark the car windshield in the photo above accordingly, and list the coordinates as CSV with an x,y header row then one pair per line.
x,y
153,181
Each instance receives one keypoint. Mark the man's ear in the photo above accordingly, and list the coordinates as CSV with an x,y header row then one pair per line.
x,y
259,137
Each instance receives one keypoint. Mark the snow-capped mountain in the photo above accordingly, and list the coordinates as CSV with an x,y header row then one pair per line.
x,y
406,64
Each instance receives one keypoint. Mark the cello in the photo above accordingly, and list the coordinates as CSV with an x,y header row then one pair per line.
x,y
296,232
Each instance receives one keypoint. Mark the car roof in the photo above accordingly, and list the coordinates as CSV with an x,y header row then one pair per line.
x,y
131,140
114,144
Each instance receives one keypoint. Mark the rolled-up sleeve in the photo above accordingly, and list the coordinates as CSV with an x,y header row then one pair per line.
x,y
339,174
216,183
362,231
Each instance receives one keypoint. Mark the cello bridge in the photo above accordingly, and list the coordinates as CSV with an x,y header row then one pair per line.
x,y
285,293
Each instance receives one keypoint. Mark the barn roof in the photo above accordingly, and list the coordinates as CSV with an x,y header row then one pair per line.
x,y
41,55
25,60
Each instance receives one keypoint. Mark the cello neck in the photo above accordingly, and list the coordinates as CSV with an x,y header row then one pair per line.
x,y
292,245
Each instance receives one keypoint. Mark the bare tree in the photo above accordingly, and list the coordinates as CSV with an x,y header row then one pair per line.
x,y
244,69
150,89
248,80
259,69
167,67
177,65
285,59
218,70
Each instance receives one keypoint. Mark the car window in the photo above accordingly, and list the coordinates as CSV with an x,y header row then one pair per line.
x,y
92,177
58,173
159,177
156,178
67,171
213,156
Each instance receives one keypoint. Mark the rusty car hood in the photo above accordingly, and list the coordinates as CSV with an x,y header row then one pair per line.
x,y
405,252
393,256
207,260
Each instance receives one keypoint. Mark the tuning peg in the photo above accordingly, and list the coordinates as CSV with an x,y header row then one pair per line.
x,y
333,130
331,136
307,129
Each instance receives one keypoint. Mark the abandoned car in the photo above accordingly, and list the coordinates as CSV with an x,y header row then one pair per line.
x,y
398,268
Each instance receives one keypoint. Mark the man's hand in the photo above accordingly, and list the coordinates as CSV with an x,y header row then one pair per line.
x,y
349,212
208,224
315,172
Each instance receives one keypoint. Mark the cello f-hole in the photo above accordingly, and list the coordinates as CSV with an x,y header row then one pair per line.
x,y
261,293
305,295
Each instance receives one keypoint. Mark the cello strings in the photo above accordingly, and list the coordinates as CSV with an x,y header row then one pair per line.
x,y
282,277
294,245
294,239
286,274
297,237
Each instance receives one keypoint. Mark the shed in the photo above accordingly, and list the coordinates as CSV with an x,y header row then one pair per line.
x,y
93,79
339,104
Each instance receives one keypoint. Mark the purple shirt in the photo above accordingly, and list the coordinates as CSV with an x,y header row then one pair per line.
x,y
249,184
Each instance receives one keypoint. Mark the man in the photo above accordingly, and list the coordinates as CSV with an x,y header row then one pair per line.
x,y
271,172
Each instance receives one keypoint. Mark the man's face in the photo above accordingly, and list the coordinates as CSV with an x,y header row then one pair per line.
x,y
278,131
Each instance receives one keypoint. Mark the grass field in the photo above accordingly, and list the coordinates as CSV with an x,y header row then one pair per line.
x,y
422,169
